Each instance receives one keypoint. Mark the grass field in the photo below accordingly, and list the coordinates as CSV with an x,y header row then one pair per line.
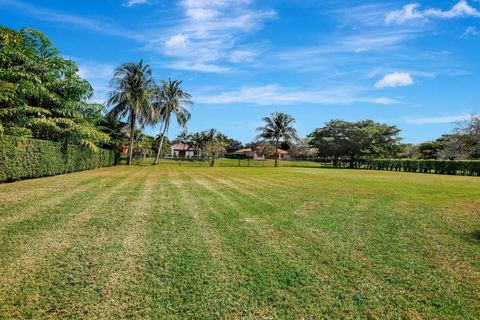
x,y
229,243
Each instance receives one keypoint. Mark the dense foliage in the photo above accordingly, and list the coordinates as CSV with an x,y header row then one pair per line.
x,y
452,167
171,101
341,140
131,98
41,94
22,158
277,128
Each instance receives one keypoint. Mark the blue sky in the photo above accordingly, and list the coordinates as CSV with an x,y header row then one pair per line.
x,y
412,64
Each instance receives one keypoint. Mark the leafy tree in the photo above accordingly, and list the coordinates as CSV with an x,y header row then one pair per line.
x,y
166,145
302,149
343,140
197,141
214,145
431,150
171,100
41,94
278,127
233,145
464,143
116,130
131,97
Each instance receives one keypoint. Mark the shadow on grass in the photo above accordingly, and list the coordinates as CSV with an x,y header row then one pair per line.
x,y
473,236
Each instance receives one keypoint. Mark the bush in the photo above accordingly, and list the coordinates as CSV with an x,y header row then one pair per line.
x,y
470,168
22,158
233,155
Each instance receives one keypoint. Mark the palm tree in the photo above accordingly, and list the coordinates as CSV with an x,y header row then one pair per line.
x,y
171,100
278,126
131,97
197,141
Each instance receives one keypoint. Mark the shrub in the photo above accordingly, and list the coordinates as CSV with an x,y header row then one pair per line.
x,y
233,155
22,158
463,167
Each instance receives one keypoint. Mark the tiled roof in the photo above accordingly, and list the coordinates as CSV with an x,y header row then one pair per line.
x,y
180,147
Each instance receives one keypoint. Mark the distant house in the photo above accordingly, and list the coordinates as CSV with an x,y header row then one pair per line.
x,y
124,149
282,154
180,150
249,153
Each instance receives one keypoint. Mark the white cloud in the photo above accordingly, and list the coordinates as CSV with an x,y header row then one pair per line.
x,y
131,3
70,19
407,13
396,79
274,94
461,9
238,56
436,120
471,32
411,12
210,32
198,67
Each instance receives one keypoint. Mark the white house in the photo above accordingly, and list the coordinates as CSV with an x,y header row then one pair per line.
x,y
180,150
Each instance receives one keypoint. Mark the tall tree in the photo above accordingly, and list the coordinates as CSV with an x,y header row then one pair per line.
x,y
214,144
171,100
278,127
464,143
343,140
233,145
41,93
131,97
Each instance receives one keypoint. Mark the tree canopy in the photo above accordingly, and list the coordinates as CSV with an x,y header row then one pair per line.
x,y
278,127
41,93
351,141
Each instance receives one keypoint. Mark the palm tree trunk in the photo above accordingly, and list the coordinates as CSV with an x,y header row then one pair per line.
x,y
165,129
132,131
276,153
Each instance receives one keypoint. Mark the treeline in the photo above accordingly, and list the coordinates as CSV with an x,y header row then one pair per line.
x,y
451,167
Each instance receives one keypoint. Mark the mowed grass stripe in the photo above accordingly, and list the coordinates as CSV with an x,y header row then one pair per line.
x,y
85,270
35,222
122,297
276,280
22,281
228,291
179,269
16,212
27,191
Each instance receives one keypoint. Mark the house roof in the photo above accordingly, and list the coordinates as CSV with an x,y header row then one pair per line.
x,y
180,147
281,152
244,150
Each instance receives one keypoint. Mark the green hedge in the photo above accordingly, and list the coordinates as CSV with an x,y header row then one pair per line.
x,y
470,168
22,158
234,155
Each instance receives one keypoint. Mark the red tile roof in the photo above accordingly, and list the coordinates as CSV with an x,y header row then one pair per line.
x,y
244,150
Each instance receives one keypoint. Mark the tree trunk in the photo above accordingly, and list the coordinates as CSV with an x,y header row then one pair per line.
x,y
132,132
352,160
161,144
276,153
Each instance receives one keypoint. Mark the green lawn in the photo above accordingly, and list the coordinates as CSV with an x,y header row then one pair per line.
x,y
229,243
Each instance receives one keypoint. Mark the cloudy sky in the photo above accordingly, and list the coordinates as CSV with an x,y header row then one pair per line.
x,y
412,64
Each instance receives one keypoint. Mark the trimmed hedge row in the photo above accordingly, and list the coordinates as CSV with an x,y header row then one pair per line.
x,y
468,168
22,158
234,155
